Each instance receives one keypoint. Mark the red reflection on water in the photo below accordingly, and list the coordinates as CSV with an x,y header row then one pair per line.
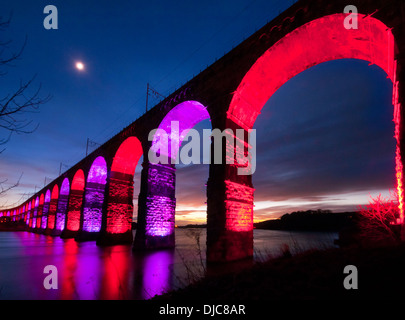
x,y
115,276
67,274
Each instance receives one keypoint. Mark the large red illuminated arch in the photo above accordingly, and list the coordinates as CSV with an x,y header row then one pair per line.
x,y
318,41
315,42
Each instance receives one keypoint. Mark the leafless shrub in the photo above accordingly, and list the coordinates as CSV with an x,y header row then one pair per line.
x,y
377,219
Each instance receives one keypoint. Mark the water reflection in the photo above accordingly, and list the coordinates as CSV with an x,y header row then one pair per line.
x,y
116,273
153,275
87,271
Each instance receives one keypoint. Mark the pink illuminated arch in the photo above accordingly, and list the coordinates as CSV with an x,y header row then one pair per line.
x,y
78,180
41,199
75,202
315,42
55,192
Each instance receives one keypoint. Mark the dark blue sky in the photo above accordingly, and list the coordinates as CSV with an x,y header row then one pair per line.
x,y
325,139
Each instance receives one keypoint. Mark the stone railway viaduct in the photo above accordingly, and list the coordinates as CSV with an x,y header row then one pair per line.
x,y
93,199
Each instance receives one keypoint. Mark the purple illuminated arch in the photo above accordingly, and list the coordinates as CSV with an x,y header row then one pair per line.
x,y
94,196
45,209
159,217
62,205
48,196
29,213
65,188
34,216
98,171
187,114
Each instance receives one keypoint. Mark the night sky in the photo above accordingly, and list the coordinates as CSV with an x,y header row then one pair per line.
x,y
324,139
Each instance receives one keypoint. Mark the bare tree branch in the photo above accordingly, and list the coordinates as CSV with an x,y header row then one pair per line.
x,y
378,217
15,106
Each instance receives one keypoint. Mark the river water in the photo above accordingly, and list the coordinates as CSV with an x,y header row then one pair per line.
x,y
87,271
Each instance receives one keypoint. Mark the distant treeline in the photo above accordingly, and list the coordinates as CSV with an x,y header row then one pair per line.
x,y
311,220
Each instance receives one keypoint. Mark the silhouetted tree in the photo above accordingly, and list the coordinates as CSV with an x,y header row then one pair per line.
x,y
378,218
15,105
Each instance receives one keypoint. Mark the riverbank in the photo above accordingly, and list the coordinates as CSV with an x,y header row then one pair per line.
x,y
310,275
10,226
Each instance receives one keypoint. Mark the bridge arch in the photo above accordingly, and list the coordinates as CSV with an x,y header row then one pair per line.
x,y
62,206
35,204
40,211
157,201
45,209
320,40
93,200
53,205
74,208
119,211
29,214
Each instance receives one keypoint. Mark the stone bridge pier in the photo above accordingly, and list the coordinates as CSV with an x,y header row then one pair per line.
x,y
156,207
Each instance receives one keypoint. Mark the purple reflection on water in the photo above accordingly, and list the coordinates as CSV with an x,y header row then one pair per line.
x,y
156,279
85,270
88,271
